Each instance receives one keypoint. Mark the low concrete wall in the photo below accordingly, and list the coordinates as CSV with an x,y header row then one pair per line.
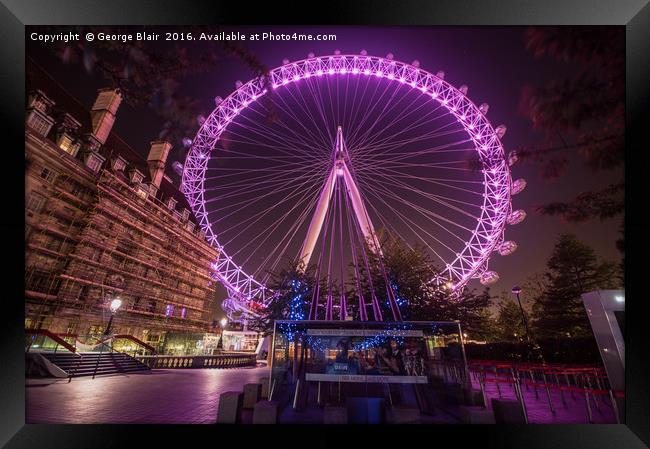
x,y
197,361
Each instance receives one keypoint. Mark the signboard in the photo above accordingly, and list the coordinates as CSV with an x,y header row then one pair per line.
x,y
316,377
366,332
367,355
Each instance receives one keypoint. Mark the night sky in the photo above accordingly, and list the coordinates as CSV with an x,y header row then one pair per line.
x,y
492,61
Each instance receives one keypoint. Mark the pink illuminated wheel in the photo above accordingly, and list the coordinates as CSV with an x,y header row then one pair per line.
x,y
428,166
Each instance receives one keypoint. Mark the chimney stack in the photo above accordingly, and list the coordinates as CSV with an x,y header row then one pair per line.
x,y
103,112
156,161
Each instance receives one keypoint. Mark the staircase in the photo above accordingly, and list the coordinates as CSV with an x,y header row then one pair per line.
x,y
105,363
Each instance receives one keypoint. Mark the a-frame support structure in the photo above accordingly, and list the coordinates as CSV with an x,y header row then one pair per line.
x,y
340,173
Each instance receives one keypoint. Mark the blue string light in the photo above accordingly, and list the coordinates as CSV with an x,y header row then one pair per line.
x,y
297,290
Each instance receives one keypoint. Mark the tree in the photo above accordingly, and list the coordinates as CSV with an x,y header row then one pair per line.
x,y
408,270
584,111
510,324
472,310
572,270
411,273
293,289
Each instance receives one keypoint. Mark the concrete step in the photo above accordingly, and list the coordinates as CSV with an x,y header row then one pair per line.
x,y
95,363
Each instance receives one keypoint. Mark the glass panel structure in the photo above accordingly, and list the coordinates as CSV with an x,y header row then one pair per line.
x,y
334,362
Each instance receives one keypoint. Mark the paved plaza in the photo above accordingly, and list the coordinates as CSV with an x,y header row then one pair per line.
x,y
179,396
191,396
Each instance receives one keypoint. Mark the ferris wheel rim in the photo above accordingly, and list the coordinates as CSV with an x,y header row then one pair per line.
x,y
469,263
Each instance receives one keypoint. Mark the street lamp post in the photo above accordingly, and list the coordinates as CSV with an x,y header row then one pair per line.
x,y
516,290
222,324
114,306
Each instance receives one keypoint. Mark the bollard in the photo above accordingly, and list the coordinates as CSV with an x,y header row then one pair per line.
x,y
559,387
521,399
548,393
481,382
476,415
532,379
588,403
230,404
614,406
265,412
251,395
568,383
593,395
508,411
335,415
264,381
404,415
529,373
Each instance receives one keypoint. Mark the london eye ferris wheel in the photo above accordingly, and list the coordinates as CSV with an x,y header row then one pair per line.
x,y
313,160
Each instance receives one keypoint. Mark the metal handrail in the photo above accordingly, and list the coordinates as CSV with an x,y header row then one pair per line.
x,y
52,336
74,371
136,341
59,341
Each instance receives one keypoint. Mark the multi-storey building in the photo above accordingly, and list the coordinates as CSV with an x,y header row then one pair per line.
x,y
102,223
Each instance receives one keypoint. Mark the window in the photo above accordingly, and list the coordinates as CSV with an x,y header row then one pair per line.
x,y
68,213
71,329
125,247
151,306
183,313
84,291
77,189
142,192
136,303
93,162
44,282
35,202
38,124
169,310
66,144
95,254
136,176
119,164
48,174
153,190
54,244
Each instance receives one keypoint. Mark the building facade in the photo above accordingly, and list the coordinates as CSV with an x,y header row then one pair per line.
x,y
104,223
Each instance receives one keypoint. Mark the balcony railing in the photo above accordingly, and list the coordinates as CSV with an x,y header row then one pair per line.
x,y
198,361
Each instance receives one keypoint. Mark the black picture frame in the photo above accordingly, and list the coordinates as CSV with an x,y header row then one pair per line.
x,y
634,15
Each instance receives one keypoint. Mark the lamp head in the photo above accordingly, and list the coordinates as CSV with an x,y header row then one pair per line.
x,y
115,304
516,289
223,322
